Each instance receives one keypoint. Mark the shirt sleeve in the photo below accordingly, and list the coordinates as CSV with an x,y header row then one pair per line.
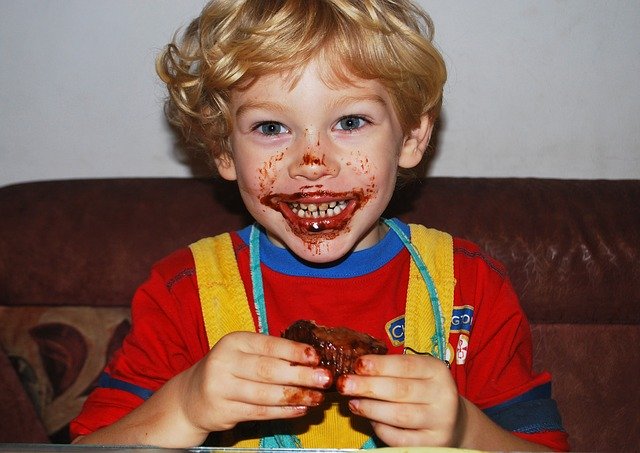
x,y
167,336
497,374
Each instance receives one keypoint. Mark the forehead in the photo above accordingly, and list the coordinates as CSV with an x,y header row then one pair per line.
x,y
317,75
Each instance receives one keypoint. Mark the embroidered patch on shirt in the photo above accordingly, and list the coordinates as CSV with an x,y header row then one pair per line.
x,y
395,330
462,319
462,349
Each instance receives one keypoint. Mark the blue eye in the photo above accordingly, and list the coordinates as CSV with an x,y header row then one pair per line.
x,y
350,123
271,128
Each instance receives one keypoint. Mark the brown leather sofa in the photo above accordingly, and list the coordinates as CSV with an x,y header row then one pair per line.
x,y
73,252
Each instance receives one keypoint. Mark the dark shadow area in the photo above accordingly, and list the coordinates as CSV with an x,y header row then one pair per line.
x,y
404,198
226,194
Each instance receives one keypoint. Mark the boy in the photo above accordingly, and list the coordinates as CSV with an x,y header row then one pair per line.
x,y
314,108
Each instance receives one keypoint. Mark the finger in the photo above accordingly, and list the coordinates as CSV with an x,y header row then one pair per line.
x,y
399,437
239,412
392,389
270,346
432,421
405,416
260,394
277,371
400,365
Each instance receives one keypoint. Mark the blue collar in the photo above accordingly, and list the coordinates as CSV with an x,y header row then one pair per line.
x,y
354,264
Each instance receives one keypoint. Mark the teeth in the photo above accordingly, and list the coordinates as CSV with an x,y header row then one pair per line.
x,y
314,211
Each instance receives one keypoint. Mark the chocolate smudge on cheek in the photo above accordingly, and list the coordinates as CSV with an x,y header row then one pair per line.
x,y
359,165
268,174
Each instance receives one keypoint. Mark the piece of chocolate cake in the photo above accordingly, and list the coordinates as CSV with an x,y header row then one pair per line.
x,y
338,347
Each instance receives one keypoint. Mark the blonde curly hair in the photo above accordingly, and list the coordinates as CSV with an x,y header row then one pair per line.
x,y
233,42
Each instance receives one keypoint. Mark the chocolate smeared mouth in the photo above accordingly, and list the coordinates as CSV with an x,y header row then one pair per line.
x,y
319,217
317,212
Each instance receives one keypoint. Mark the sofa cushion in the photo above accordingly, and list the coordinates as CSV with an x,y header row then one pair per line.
x,y
57,354
595,372
23,424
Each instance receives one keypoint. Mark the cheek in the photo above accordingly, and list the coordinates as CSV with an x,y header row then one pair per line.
x,y
258,178
359,164
373,177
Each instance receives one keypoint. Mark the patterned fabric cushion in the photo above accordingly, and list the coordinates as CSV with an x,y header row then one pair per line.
x,y
58,354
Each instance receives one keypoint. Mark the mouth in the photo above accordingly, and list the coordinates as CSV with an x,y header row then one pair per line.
x,y
318,210
319,217
316,213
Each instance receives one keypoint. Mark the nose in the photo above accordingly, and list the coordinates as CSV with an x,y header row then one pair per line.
x,y
313,161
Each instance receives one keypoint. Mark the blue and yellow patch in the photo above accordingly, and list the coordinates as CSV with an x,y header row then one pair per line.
x,y
462,319
395,330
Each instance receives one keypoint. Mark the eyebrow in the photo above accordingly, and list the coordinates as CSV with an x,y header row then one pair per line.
x,y
277,107
258,105
346,100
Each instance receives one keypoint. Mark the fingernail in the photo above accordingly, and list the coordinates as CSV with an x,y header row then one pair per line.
x,y
354,406
322,378
310,354
316,398
344,385
362,366
297,409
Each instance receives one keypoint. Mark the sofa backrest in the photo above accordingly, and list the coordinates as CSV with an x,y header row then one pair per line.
x,y
572,249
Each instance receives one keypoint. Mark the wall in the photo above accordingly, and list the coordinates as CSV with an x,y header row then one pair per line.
x,y
535,88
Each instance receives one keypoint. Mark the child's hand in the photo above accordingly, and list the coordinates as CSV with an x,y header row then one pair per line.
x,y
249,376
411,400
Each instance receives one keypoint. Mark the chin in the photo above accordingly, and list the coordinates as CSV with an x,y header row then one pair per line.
x,y
320,241
320,251
323,247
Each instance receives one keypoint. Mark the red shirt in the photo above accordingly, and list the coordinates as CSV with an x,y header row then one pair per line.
x,y
489,345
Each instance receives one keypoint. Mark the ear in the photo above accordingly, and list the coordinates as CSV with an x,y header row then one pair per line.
x,y
226,167
415,143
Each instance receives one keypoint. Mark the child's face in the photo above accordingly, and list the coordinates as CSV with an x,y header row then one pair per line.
x,y
316,165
